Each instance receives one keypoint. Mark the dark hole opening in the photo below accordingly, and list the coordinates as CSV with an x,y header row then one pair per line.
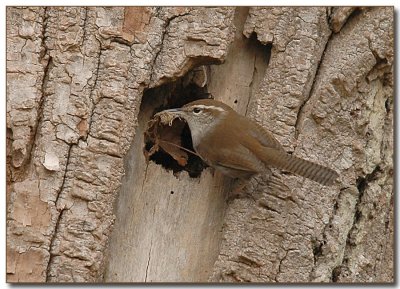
x,y
387,105
173,95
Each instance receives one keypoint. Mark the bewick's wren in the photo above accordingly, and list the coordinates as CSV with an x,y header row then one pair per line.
x,y
239,147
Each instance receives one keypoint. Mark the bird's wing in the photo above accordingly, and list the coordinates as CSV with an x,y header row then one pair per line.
x,y
239,158
236,157
265,137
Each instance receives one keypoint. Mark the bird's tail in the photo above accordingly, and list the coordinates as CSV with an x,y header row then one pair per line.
x,y
298,166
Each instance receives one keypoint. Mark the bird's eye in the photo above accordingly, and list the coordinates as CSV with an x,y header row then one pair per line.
x,y
196,110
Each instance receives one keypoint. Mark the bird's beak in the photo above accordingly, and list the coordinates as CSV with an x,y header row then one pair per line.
x,y
175,111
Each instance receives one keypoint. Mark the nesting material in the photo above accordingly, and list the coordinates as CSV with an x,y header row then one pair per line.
x,y
161,133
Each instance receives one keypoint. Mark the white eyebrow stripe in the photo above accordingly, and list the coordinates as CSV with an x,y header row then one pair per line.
x,y
210,107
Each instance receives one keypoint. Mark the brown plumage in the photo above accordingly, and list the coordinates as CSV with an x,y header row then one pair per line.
x,y
239,147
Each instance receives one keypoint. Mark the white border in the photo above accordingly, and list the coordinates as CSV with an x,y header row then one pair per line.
x,y
151,3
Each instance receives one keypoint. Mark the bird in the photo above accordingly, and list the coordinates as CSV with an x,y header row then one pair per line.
x,y
239,147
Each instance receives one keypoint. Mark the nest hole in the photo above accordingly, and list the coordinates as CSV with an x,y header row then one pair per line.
x,y
173,95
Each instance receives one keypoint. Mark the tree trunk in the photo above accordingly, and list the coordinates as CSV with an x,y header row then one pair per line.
x,y
84,205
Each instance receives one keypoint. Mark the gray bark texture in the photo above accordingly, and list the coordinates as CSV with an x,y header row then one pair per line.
x,y
84,205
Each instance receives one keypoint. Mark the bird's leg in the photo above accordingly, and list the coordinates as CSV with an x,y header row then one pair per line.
x,y
239,190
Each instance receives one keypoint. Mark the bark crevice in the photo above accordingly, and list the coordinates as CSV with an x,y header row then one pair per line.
x,y
61,211
300,114
362,183
164,32
52,241
47,61
92,90
148,261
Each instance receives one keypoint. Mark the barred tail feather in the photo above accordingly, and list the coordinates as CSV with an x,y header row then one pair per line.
x,y
298,166
310,170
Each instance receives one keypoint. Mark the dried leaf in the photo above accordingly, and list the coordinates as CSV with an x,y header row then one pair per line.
x,y
162,134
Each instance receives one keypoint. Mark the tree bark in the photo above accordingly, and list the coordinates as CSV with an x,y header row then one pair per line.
x,y
84,205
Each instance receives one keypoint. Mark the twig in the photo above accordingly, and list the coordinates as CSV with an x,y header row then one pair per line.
x,y
182,148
